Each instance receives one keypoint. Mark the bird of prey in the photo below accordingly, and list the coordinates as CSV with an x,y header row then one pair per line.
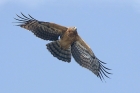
x,y
65,43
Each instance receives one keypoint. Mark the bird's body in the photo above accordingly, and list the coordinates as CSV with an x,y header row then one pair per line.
x,y
69,44
68,38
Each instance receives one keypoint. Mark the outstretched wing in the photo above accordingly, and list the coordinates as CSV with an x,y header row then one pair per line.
x,y
84,56
43,30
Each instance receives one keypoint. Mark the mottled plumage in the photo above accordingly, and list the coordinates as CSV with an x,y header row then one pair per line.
x,y
65,42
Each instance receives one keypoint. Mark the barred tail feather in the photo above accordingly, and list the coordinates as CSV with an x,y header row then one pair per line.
x,y
56,51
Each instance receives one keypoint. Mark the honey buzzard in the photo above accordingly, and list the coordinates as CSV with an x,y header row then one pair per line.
x,y
65,43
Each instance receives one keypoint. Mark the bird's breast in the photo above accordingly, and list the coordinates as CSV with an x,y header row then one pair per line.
x,y
66,42
68,38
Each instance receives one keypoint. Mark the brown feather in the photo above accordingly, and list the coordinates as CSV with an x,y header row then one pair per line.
x,y
44,30
68,43
68,38
83,43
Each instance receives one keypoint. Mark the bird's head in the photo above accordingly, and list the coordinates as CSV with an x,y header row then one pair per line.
x,y
72,31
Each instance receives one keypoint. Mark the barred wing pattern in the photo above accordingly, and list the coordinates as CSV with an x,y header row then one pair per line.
x,y
81,52
56,50
43,30
88,60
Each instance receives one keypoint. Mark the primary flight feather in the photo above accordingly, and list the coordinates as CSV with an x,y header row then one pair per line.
x,y
69,44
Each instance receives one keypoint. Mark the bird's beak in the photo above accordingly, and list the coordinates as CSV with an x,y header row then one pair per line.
x,y
75,28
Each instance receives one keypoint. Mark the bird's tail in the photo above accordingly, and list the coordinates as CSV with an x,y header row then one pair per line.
x,y
57,51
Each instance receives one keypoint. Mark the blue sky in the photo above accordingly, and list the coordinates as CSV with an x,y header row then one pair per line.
x,y
110,27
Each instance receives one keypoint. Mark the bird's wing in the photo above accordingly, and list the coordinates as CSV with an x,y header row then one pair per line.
x,y
43,30
84,56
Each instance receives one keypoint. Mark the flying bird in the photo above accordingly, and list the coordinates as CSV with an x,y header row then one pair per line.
x,y
65,43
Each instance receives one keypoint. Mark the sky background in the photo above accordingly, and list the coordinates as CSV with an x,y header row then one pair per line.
x,y
110,27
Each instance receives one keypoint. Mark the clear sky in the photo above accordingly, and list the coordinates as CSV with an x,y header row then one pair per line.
x,y
110,27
